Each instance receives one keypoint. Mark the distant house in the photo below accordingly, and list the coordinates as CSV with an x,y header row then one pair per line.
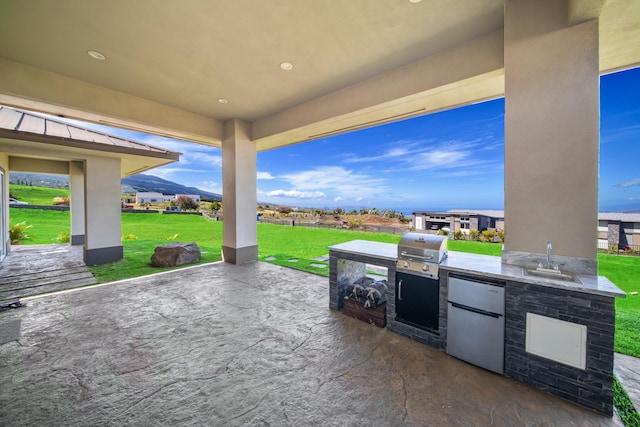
x,y
619,230
458,220
615,229
153,197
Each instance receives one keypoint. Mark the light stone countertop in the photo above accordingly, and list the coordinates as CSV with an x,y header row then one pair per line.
x,y
485,266
387,251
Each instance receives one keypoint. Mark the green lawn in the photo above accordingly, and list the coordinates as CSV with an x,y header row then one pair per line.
x,y
301,244
37,195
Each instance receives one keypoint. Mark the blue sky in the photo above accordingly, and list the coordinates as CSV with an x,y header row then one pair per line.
x,y
446,160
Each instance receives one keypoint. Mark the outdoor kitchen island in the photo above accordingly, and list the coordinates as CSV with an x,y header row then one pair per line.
x,y
558,335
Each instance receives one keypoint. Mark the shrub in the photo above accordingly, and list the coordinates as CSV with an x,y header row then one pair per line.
x,y
473,234
500,234
215,206
186,203
458,235
61,201
488,235
64,237
443,232
354,223
17,232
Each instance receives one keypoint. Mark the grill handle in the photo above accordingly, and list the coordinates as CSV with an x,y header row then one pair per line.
x,y
400,290
426,258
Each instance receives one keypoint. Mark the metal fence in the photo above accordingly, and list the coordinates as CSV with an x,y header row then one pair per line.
x,y
605,248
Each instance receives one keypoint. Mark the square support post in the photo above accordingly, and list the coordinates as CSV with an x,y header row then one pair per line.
x,y
103,213
239,198
76,206
551,135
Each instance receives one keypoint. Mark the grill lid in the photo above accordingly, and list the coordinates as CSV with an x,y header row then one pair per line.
x,y
423,247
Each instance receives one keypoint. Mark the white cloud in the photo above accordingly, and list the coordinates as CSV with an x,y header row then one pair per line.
x,y
393,153
631,183
431,155
169,172
296,194
202,157
210,186
338,181
265,175
337,199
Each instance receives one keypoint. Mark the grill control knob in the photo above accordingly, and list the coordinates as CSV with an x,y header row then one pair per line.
x,y
406,264
425,267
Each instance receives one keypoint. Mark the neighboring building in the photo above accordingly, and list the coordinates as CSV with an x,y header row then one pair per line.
x,y
614,228
153,197
458,219
619,230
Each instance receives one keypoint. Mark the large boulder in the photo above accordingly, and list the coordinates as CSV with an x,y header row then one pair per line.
x,y
175,253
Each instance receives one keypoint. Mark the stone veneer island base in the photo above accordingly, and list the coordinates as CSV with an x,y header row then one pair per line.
x,y
579,316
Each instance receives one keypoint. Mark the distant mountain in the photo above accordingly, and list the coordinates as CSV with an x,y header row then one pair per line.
x,y
39,180
132,184
150,183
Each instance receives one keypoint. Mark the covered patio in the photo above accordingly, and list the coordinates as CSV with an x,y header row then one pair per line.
x,y
253,344
243,342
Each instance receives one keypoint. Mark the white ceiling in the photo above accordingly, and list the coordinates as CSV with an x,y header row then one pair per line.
x,y
167,63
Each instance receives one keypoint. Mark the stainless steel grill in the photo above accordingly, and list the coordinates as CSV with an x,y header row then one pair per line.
x,y
421,254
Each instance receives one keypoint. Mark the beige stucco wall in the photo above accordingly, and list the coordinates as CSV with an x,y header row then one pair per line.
x,y
239,196
102,211
28,164
551,130
77,210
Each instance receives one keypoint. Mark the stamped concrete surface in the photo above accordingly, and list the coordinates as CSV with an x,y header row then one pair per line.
x,y
230,345
38,269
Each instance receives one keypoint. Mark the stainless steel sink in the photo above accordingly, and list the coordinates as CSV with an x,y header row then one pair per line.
x,y
547,273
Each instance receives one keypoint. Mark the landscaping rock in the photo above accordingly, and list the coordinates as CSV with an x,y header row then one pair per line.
x,y
176,253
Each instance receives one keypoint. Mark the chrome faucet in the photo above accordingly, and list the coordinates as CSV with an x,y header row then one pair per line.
x,y
549,247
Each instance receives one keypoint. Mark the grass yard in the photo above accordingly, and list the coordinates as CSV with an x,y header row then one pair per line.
x,y
285,244
37,195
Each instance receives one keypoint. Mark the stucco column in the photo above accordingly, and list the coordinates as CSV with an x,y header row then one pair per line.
x,y
103,226
76,187
551,135
239,198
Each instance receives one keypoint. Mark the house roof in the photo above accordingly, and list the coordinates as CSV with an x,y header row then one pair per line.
x,y
619,216
489,213
24,134
184,68
604,216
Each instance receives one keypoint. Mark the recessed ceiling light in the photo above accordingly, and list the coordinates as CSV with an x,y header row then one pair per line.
x,y
415,1
96,55
286,66
223,100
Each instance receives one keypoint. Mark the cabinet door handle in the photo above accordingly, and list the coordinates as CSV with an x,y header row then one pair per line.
x,y
400,290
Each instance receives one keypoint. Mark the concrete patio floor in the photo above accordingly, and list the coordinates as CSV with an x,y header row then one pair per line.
x,y
254,344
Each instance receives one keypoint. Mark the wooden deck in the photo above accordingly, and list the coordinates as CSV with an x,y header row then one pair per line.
x,y
38,269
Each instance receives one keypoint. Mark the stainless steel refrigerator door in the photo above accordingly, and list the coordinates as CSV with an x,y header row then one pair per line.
x,y
476,338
